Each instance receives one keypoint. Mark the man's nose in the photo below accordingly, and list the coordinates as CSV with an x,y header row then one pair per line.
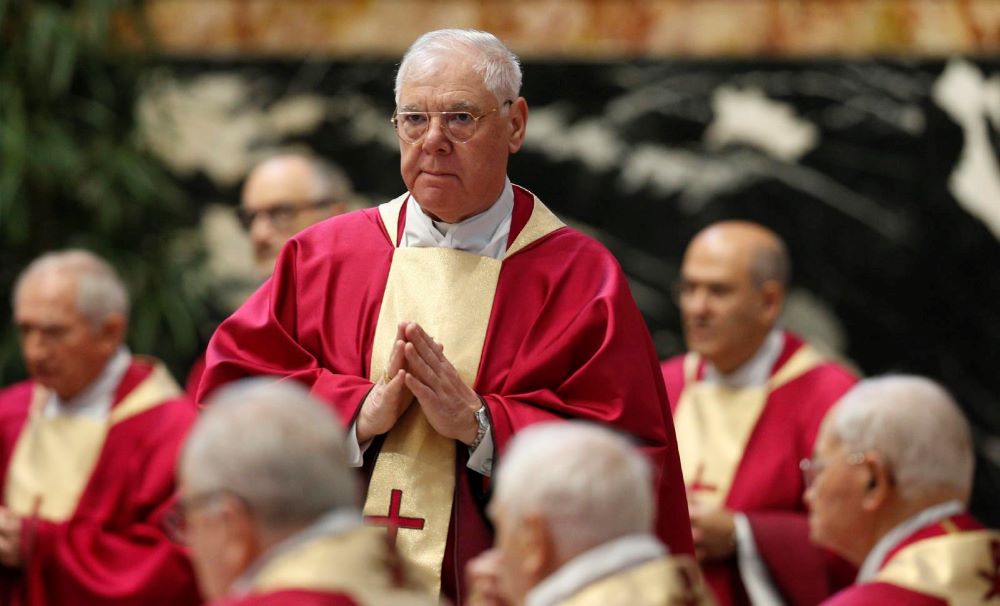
x,y
261,229
436,140
697,301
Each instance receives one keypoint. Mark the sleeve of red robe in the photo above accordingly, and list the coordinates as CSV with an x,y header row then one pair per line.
x,y
114,550
299,326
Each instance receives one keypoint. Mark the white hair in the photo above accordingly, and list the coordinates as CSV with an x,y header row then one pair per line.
x,y
915,424
499,67
590,484
100,292
271,444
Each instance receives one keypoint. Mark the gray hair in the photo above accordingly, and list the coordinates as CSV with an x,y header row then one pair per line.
x,y
594,486
100,291
274,446
915,424
499,67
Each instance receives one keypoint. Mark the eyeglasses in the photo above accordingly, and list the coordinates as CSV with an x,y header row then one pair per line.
x,y
175,520
459,126
279,215
814,466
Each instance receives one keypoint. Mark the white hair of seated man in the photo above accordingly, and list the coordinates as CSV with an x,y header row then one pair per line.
x,y
499,67
100,292
916,426
590,484
276,448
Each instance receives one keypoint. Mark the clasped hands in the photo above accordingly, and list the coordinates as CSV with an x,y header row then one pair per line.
x,y
418,370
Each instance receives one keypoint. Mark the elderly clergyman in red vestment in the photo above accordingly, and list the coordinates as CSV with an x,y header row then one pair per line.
x,y
87,450
889,484
442,322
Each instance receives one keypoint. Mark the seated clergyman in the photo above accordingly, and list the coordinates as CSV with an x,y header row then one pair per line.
x,y
271,509
579,529
888,490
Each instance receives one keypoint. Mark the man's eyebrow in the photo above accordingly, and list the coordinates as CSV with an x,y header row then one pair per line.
x,y
457,106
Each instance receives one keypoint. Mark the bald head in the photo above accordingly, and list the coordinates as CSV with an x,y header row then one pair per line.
x,y
285,194
732,289
751,246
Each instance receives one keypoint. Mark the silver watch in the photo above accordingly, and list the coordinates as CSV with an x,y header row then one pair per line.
x,y
483,419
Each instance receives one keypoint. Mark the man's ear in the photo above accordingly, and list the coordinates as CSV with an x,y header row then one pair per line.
x,y
518,120
242,541
773,300
881,486
112,331
541,557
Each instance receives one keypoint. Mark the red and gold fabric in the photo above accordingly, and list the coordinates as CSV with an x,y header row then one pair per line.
x,y
955,562
92,495
563,339
740,449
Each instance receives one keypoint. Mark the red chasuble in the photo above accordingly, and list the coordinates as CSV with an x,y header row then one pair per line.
x,y
764,481
106,545
564,340
955,562
292,597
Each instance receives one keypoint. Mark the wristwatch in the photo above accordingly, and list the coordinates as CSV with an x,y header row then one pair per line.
x,y
483,419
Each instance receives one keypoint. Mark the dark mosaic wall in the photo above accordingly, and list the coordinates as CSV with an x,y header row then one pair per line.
x,y
849,161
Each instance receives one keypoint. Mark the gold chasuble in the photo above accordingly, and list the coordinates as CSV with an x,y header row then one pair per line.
x,y
714,422
354,564
55,456
960,567
661,582
450,294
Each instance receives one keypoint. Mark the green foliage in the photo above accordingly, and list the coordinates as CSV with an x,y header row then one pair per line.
x,y
73,173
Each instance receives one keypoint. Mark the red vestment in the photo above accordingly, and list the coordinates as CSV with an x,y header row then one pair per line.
x,y
293,597
959,565
767,485
112,550
565,340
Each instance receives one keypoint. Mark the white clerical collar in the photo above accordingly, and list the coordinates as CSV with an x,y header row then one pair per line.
x,y
756,371
593,565
484,234
932,515
96,399
333,523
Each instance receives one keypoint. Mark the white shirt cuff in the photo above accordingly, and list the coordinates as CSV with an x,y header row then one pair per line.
x,y
355,451
481,459
756,580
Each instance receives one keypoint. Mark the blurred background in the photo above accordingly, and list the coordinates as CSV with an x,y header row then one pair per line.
x,y
865,132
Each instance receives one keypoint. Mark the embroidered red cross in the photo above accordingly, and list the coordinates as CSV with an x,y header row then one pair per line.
x,y
993,578
697,485
394,521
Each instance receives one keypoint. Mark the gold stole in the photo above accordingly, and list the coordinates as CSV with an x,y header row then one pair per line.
x,y
961,567
355,563
55,456
714,423
667,580
450,294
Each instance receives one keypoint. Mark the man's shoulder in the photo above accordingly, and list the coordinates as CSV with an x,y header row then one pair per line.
x,y
15,400
346,232
865,594
826,375
17,394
